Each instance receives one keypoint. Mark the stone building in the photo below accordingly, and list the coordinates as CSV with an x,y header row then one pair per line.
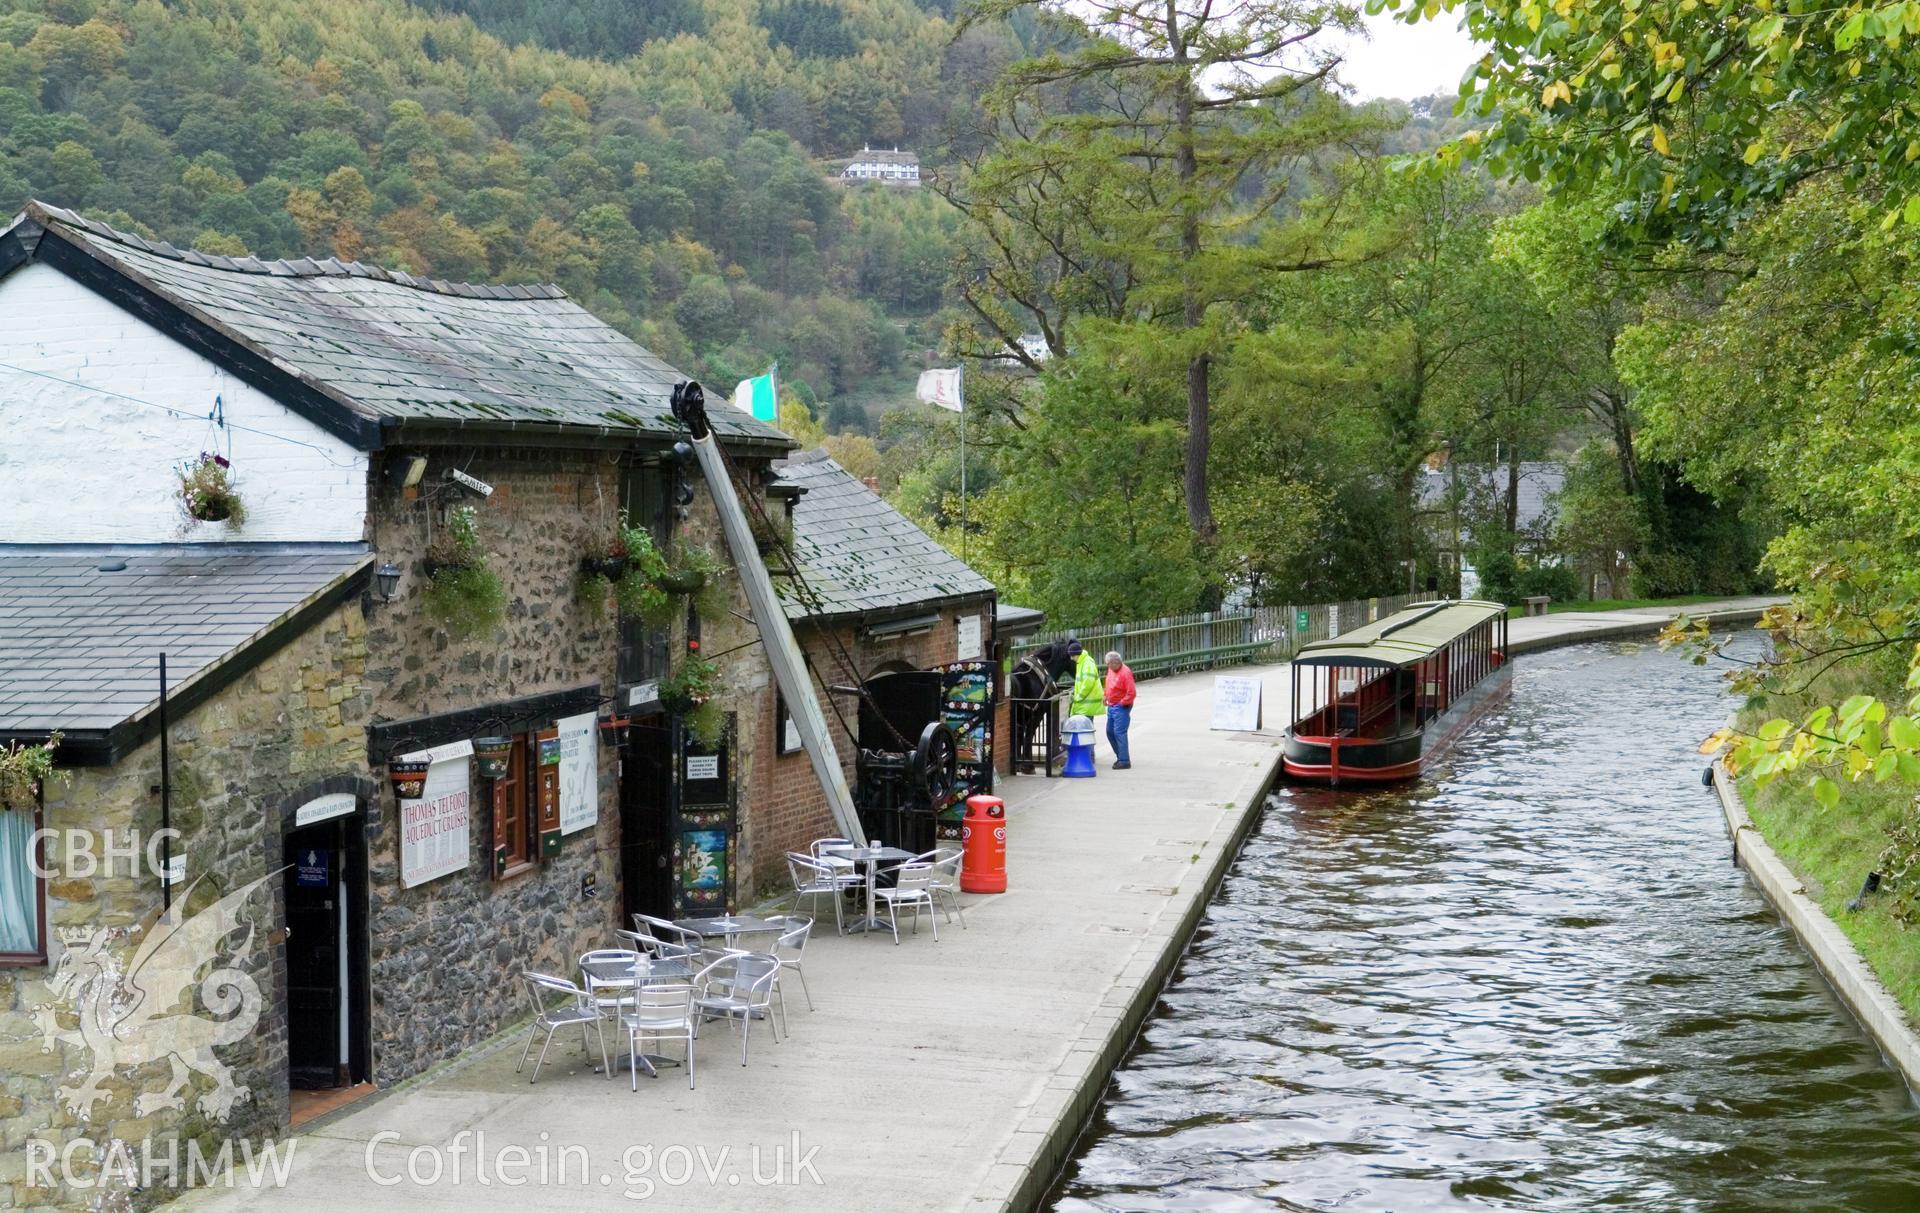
x,y
876,595
363,417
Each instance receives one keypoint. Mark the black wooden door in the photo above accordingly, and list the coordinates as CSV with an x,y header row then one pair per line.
x,y
316,1001
646,819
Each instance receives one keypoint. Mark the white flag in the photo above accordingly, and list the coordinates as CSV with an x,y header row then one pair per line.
x,y
941,388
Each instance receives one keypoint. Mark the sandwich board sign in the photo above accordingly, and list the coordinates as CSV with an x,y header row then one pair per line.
x,y
1236,703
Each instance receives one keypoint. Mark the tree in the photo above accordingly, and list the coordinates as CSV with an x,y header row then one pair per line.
x,y
1702,114
1174,135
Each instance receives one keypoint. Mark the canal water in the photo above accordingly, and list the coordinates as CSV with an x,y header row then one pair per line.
x,y
1531,981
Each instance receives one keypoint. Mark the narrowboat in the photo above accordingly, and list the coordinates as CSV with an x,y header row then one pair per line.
x,y
1378,703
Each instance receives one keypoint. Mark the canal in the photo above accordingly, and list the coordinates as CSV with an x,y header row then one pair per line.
x,y
1530,981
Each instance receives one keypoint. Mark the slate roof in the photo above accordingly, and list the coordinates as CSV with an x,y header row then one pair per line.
x,y
1540,485
861,555
79,646
391,348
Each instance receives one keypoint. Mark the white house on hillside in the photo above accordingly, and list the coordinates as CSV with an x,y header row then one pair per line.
x,y
892,167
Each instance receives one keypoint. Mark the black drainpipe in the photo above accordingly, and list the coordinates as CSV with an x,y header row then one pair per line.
x,y
166,798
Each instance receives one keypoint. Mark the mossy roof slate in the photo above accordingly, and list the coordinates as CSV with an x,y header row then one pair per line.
x,y
391,347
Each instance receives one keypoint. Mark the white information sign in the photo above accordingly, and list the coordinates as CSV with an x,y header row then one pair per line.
x,y
325,808
1333,621
703,766
435,833
1236,703
579,773
967,644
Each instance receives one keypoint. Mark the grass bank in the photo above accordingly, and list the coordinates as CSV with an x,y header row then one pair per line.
x,y
1615,604
1832,850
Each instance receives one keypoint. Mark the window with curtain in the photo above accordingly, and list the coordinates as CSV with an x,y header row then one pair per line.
x,y
22,922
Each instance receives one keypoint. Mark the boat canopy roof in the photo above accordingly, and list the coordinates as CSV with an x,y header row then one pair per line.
x,y
1403,638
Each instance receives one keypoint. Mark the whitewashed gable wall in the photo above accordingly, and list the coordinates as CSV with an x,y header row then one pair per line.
x,y
85,464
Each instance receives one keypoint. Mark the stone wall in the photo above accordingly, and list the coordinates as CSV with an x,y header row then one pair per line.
x,y
298,717
450,944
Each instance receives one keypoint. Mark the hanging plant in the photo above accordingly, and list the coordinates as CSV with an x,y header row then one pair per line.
x,y
688,694
693,575
462,592
637,589
207,493
25,769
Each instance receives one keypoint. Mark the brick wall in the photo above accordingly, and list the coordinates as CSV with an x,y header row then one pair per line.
x,y
790,808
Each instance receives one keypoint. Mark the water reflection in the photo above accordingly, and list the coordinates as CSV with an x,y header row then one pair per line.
x,y
1533,981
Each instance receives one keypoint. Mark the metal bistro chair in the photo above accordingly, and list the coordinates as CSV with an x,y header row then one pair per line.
x,y
912,886
790,950
669,941
580,1008
945,885
610,993
662,1012
834,852
811,878
739,985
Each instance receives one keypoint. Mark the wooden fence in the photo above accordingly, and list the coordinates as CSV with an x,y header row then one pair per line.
x,y
1206,639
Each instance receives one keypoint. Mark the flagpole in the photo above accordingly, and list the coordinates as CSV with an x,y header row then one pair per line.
x,y
963,461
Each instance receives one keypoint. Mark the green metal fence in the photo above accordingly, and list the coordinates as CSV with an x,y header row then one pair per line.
x,y
1207,639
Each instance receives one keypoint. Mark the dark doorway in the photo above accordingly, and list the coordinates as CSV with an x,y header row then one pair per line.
x,y
646,819
326,894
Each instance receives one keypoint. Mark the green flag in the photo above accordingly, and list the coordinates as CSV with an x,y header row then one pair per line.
x,y
759,396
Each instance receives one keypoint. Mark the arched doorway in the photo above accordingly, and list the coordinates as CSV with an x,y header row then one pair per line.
x,y
324,892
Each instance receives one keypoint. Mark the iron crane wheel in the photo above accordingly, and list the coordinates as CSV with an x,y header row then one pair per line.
x,y
934,770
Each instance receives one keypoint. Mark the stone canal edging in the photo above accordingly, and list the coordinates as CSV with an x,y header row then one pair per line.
x,y
1045,1138
1621,629
1833,953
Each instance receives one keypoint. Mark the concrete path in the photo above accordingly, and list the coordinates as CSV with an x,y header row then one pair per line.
x,y
934,1075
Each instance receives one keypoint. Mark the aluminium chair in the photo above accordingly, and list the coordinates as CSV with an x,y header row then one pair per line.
x,y
558,1003
912,886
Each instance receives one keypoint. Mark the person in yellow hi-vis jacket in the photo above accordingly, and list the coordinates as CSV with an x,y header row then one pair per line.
x,y
1089,695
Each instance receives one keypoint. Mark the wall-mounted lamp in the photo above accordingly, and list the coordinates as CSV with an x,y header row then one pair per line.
x,y
386,579
407,470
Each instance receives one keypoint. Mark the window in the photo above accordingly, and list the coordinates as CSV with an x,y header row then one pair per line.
x,y
787,741
513,833
644,651
23,889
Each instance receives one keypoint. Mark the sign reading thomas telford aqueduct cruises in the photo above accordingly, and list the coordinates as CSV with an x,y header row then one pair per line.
x,y
435,830
579,773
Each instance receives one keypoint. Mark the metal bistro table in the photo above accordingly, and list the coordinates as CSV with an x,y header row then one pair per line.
x,y
728,926
871,858
648,971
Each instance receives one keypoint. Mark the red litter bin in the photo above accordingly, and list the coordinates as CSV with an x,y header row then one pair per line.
x,y
983,834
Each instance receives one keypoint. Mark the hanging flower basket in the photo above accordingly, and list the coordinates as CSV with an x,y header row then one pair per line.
x,y
494,756
682,580
613,731
409,777
207,493
676,701
25,770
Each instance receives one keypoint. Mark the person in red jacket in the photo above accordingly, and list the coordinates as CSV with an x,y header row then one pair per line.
x,y
1119,709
